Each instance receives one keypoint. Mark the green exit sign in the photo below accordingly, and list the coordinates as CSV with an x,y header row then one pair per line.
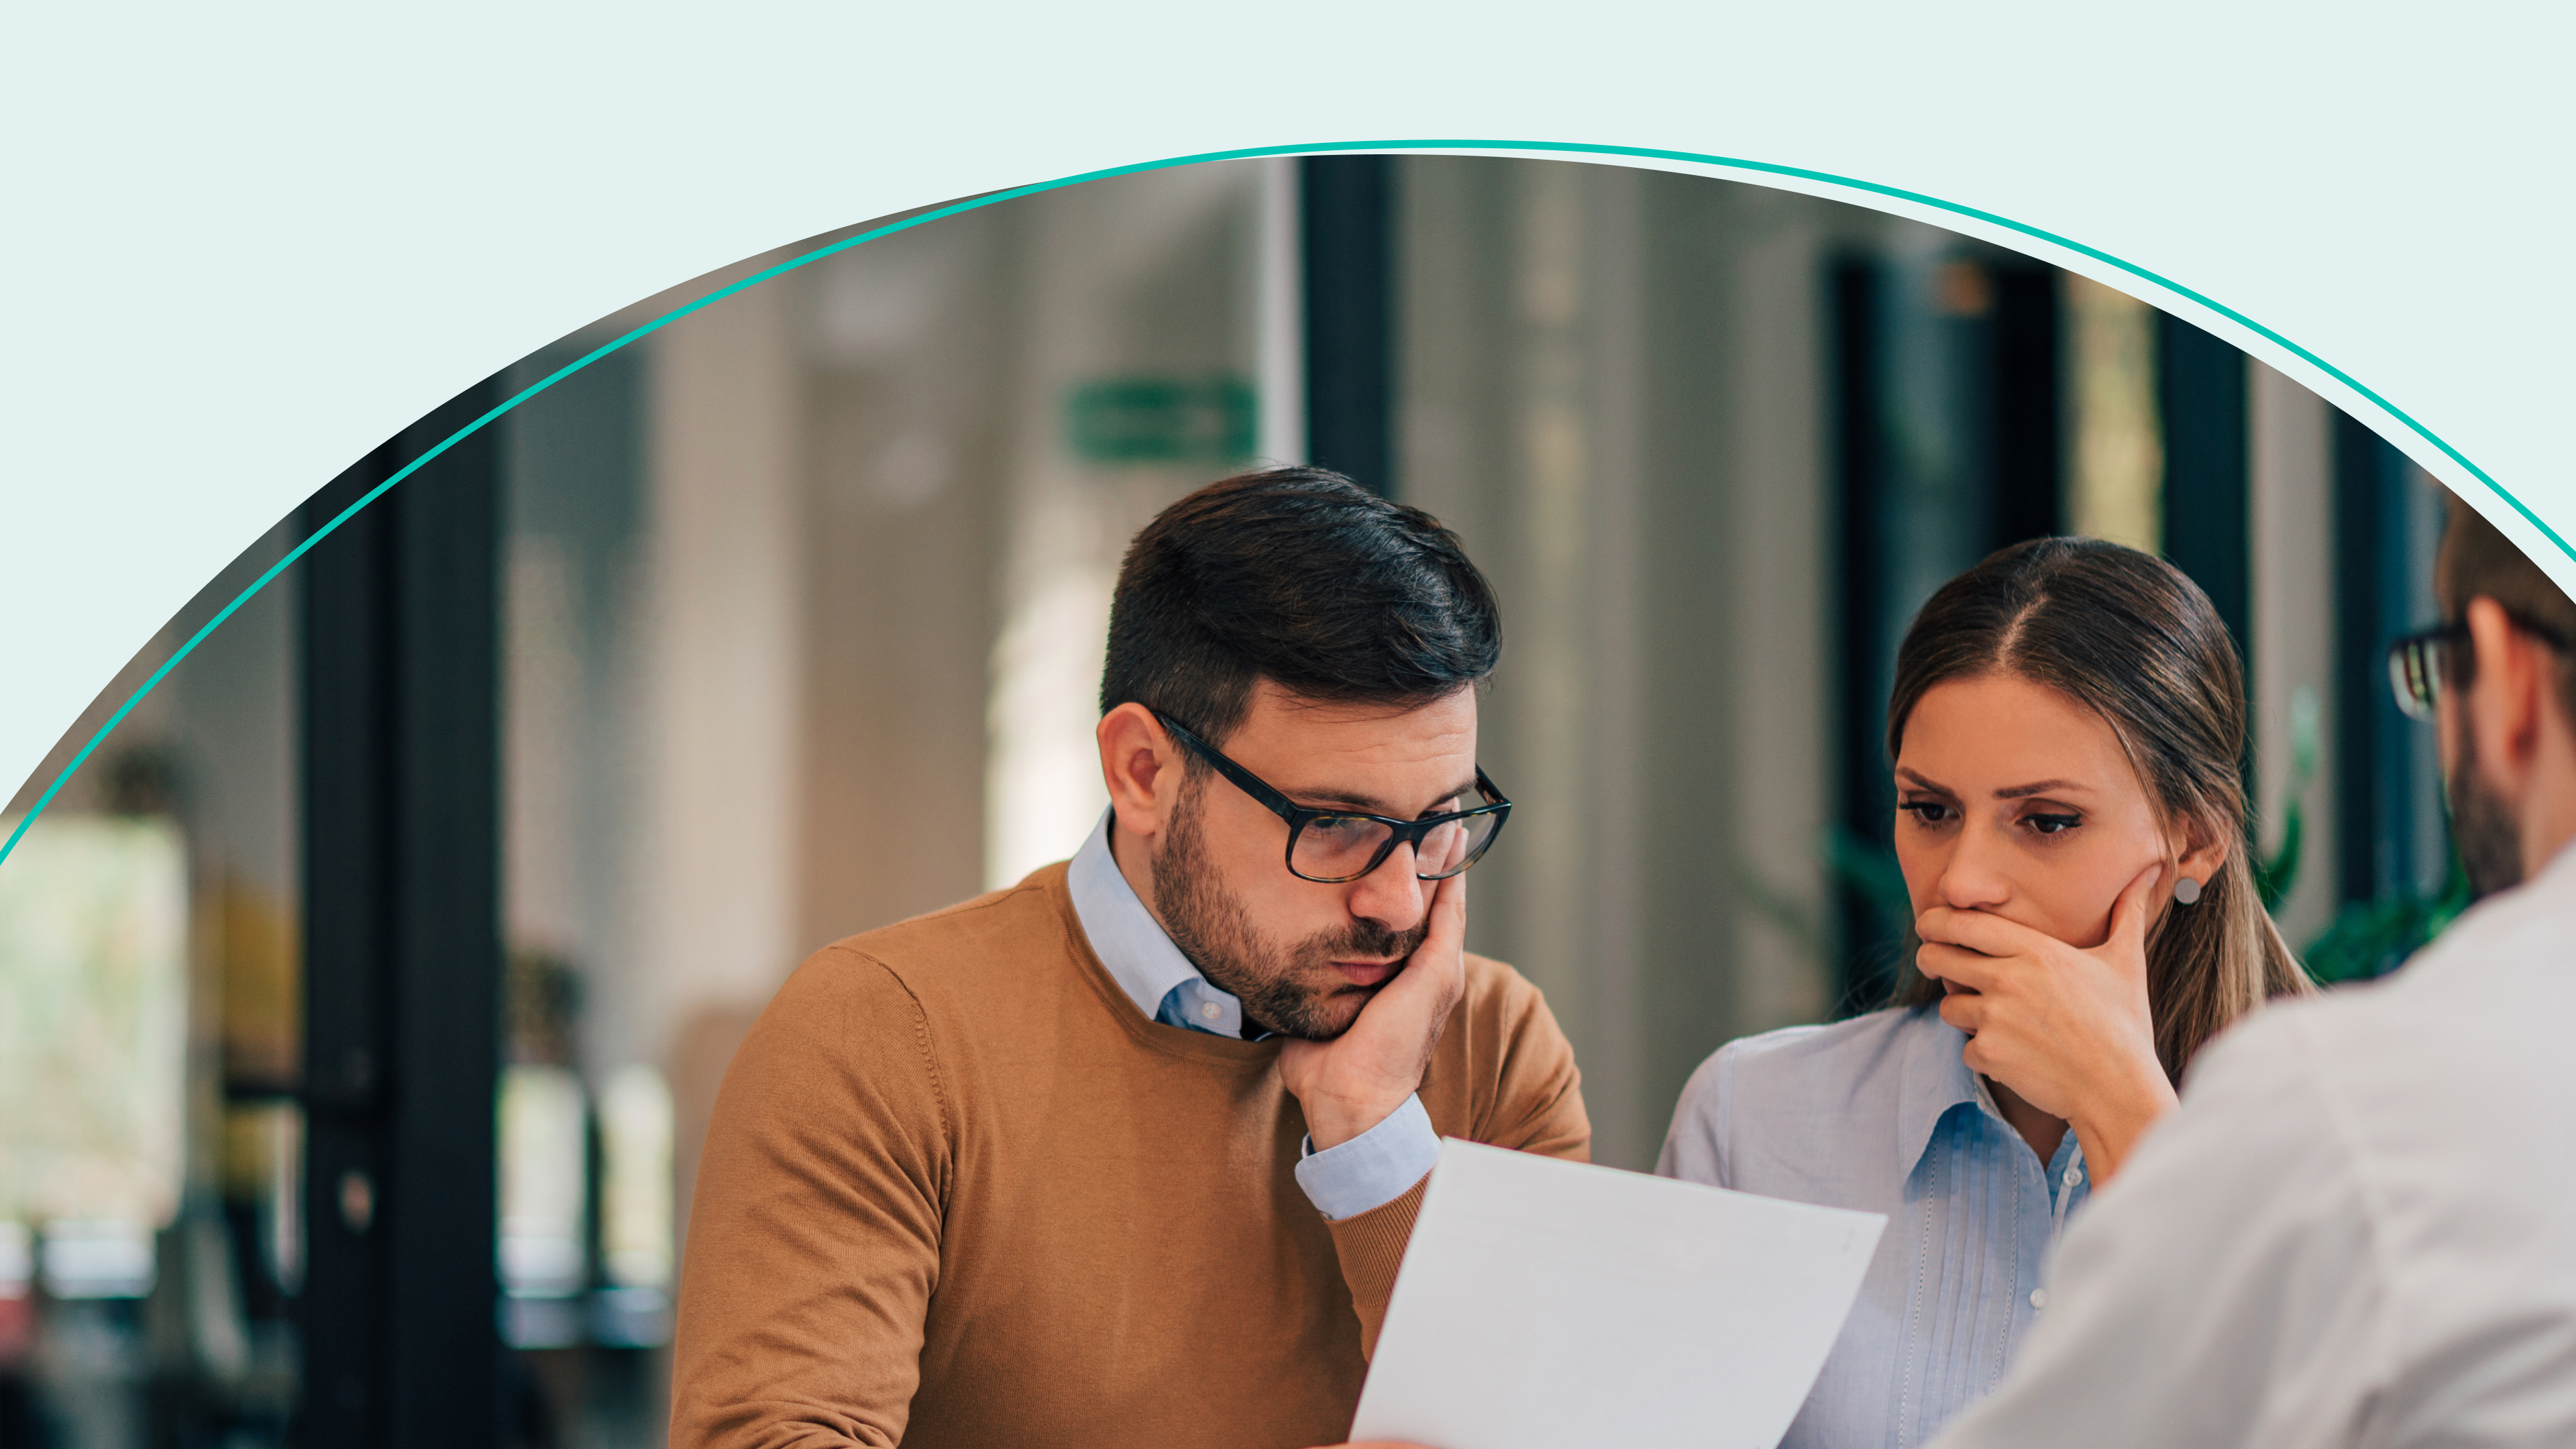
x,y
1161,420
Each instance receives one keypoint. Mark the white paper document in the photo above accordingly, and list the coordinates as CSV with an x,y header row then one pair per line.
x,y
1546,1304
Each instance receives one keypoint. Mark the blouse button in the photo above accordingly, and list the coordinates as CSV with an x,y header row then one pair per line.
x,y
2074,1175
2039,1298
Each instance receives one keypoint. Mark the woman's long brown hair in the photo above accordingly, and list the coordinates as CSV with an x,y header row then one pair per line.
x,y
2129,637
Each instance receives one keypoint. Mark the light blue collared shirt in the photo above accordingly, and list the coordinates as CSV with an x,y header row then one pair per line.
x,y
1880,1113
1369,1171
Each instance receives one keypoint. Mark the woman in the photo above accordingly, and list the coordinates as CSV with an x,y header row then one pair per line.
x,y
2065,728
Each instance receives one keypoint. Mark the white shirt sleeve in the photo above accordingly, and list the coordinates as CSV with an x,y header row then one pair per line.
x,y
1695,1144
2225,1289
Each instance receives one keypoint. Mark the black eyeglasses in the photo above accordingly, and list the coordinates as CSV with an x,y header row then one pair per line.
x,y
2418,663
1333,847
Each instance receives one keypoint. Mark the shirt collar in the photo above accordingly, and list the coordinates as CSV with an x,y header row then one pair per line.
x,y
1934,1081
1130,942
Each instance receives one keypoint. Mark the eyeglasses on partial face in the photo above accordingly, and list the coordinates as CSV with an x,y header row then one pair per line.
x,y
2418,663
1334,847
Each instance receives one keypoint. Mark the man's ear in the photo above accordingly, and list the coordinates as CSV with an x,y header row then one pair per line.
x,y
1140,763
2507,695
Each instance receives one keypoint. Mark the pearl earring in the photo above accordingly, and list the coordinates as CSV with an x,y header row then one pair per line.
x,y
2186,890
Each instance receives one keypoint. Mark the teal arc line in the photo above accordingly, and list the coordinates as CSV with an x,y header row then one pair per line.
x,y
1576,148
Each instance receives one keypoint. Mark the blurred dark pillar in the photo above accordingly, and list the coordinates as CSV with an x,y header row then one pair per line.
x,y
2028,457
2200,385
402,948
1347,230
2374,812
347,701
1857,301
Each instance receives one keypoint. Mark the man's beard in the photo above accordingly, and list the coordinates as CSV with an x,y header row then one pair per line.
x,y
1291,990
2483,826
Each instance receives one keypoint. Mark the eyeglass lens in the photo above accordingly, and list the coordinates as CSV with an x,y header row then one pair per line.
x,y
2414,672
1341,847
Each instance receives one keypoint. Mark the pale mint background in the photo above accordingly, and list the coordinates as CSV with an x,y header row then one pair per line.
x,y
247,244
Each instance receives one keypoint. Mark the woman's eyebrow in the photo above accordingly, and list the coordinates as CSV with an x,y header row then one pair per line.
x,y
1919,778
2042,787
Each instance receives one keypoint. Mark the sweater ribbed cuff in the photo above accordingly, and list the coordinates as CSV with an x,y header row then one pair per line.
x,y
1371,1247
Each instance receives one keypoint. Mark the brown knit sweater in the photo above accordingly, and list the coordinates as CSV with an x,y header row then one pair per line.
x,y
959,1191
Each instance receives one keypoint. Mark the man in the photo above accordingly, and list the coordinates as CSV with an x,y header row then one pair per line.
x,y
1127,1153
2359,1228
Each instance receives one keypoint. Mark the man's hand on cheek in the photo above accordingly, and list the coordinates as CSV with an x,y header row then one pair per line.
x,y
1349,1085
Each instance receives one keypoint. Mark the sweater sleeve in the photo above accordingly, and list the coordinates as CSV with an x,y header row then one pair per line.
x,y
814,1230
1537,1106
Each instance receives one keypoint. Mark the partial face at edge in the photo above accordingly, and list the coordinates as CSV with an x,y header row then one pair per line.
x,y
2485,827
2016,800
1305,957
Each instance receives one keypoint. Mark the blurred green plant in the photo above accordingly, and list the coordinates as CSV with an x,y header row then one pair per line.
x,y
2367,938
1868,871
2374,937
2277,874
1868,868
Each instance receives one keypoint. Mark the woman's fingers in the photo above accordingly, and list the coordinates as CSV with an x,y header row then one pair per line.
x,y
1971,969
2132,912
1966,1012
2069,1029
1980,931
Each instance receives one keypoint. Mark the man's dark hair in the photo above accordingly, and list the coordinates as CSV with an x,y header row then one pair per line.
x,y
2476,560
1303,578
2479,560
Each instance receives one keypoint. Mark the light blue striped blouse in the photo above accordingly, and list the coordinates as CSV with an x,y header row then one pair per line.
x,y
1879,1113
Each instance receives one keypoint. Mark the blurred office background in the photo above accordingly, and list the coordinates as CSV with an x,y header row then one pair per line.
x,y
363,1000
